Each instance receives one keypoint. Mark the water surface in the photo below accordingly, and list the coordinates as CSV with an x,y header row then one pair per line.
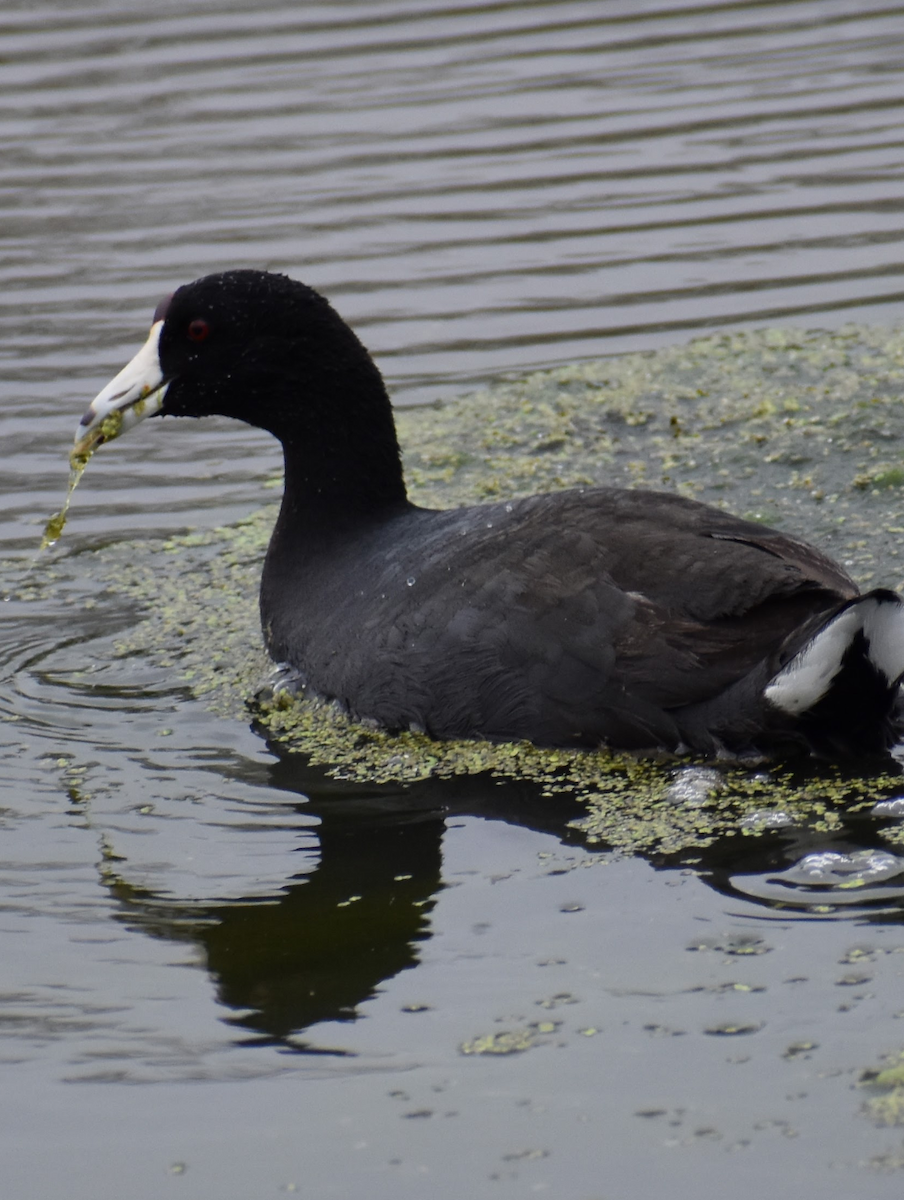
x,y
223,970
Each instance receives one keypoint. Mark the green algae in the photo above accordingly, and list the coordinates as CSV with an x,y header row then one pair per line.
x,y
108,430
886,1105
509,1041
801,430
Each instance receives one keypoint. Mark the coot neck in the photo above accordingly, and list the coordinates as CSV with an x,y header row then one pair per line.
x,y
343,469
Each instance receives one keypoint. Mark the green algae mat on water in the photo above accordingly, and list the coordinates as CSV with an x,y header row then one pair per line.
x,y
803,431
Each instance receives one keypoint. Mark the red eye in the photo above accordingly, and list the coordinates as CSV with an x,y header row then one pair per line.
x,y
198,330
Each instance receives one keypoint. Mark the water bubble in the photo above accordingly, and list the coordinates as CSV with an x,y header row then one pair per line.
x,y
889,808
767,818
825,880
694,786
833,868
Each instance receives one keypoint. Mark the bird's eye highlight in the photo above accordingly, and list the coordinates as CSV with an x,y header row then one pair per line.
x,y
198,330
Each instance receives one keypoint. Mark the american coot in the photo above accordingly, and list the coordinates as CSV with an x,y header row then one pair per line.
x,y
598,616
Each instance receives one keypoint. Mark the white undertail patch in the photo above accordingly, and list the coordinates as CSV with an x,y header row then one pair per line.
x,y
809,674
883,626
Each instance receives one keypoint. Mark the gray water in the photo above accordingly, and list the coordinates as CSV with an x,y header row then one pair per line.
x,y
192,999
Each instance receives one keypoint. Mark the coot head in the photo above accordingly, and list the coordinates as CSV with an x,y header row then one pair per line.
x,y
272,352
